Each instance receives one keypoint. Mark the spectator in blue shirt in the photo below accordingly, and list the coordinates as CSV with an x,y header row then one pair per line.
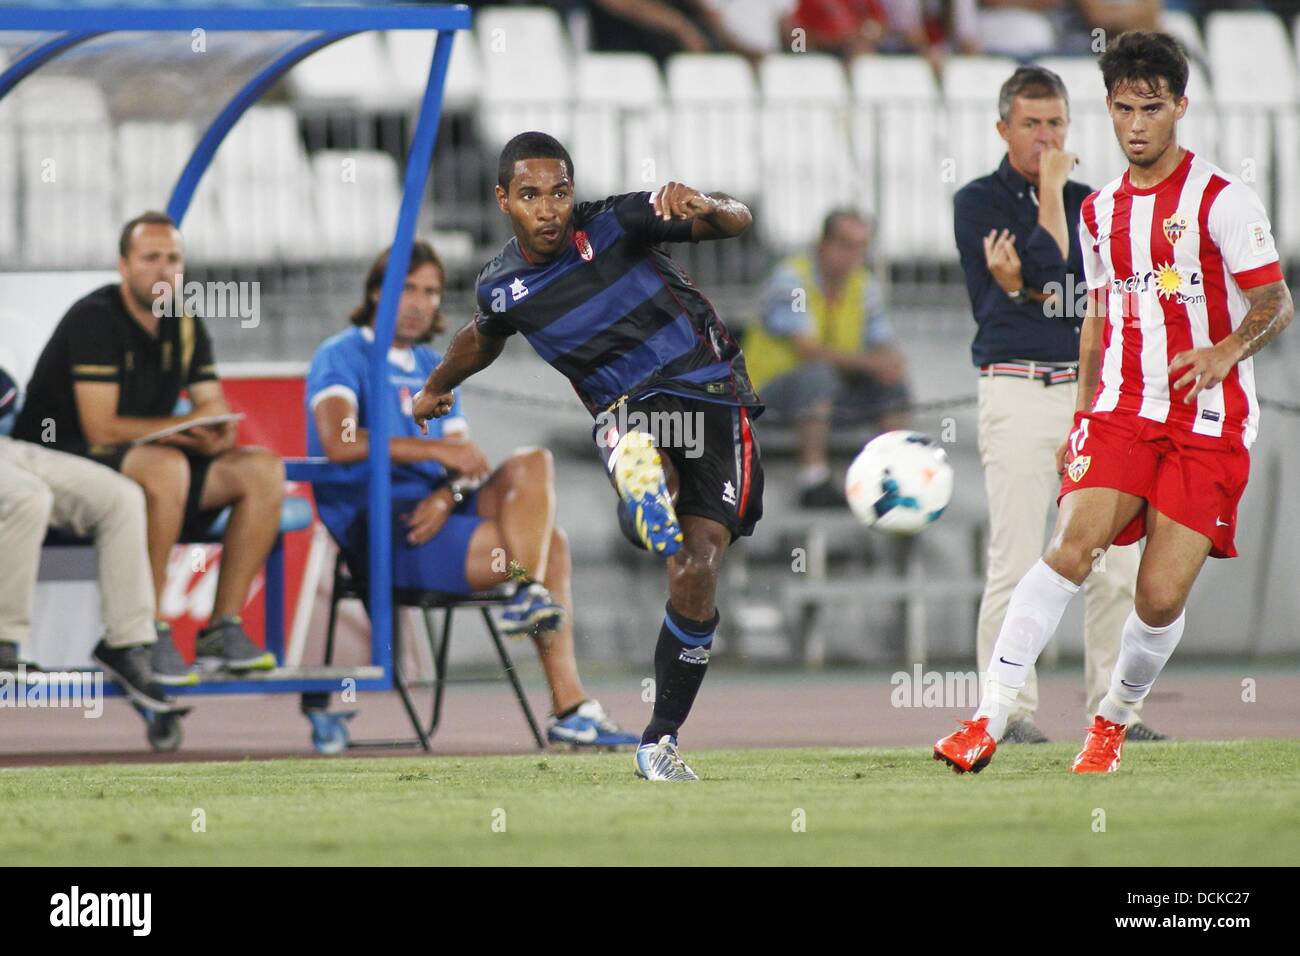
x,y
458,525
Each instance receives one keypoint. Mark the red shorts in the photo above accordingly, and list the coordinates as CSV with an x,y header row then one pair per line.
x,y
1194,479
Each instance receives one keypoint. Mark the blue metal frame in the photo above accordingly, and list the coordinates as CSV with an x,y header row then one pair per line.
x,y
33,59
76,25
206,148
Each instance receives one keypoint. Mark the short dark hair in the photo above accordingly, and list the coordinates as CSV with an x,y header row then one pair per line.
x,y
151,218
1145,57
835,215
422,254
530,145
1033,83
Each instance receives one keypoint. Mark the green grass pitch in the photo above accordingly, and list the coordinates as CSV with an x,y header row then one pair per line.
x,y
1179,803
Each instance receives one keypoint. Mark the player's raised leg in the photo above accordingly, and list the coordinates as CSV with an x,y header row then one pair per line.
x,y
1087,523
640,476
1173,557
685,638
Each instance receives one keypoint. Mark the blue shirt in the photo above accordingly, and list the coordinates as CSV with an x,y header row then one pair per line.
x,y
1005,200
340,367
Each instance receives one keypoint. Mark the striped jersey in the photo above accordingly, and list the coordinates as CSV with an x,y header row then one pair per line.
x,y
1175,259
614,313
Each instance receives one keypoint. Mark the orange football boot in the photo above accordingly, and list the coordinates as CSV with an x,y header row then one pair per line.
x,y
1101,748
969,749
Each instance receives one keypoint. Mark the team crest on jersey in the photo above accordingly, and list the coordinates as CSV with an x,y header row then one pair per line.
x,y
1174,228
1078,468
584,246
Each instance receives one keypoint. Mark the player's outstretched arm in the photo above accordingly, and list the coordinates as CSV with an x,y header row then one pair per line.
x,y
714,216
1270,312
471,351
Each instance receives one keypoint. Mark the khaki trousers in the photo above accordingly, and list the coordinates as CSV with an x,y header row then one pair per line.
x,y
41,487
1021,424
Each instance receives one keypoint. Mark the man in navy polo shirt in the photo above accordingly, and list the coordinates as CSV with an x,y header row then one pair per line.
x,y
1017,233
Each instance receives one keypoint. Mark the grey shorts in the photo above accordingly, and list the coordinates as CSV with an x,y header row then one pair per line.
x,y
856,397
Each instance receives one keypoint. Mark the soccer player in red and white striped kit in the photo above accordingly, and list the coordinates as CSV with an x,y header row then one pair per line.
x,y
1184,286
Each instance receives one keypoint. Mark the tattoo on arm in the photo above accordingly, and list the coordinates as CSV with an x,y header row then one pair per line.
x,y
1270,312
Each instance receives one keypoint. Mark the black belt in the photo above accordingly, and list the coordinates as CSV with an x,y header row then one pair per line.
x,y
1049,373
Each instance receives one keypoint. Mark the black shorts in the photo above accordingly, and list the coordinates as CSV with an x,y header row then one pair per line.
x,y
713,447
197,520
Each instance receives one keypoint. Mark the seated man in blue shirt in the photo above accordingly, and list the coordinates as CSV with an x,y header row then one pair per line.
x,y
447,537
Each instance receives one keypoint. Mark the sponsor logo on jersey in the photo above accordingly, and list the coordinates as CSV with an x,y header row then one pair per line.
x,y
729,493
517,289
1078,468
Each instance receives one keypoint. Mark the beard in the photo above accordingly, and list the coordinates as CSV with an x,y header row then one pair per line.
x,y
144,297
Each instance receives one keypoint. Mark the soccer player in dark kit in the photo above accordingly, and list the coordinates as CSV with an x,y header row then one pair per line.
x,y
590,288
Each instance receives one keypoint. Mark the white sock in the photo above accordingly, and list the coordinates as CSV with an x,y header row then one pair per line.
x,y
1033,615
810,475
1143,653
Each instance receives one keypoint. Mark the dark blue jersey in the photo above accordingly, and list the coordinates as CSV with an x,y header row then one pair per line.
x,y
614,313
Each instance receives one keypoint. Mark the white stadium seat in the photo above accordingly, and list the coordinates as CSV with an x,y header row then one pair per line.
x,y
897,136
411,55
150,157
1256,95
714,119
806,164
356,195
1091,136
618,124
1182,26
67,172
970,89
354,70
8,176
262,184
527,82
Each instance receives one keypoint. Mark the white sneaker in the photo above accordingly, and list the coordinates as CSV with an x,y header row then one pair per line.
x,y
661,761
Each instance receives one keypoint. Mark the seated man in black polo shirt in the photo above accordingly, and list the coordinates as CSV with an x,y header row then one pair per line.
x,y
111,374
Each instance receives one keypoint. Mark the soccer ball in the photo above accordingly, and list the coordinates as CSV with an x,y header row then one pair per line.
x,y
899,483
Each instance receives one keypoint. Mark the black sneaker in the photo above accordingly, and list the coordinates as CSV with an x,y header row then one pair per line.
x,y
824,494
1139,732
129,668
8,656
1023,731
224,645
165,661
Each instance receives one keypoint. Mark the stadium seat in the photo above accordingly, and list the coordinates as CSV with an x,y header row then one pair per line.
x,y
150,157
970,89
8,178
262,182
714,118
618,124
410,55
897,144
357,195
1091,136
354,70
1182,26
67,172
527,82
1256,95
806,163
